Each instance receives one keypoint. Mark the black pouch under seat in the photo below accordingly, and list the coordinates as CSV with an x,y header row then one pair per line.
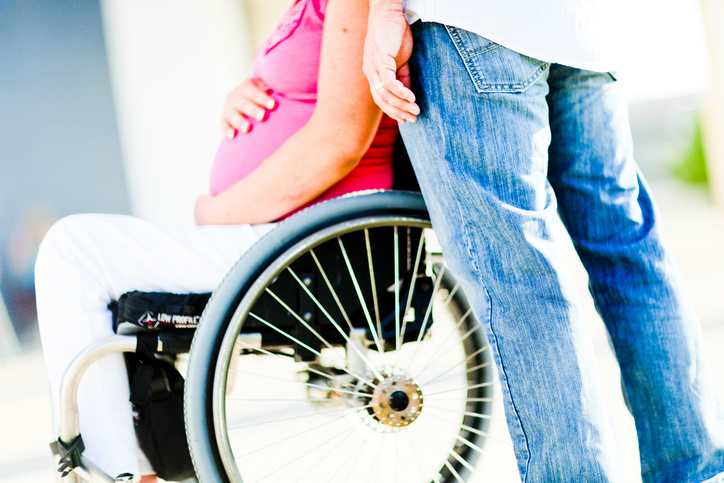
x,y
136,311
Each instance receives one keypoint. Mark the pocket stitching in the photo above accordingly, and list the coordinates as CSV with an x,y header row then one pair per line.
x,y
473,72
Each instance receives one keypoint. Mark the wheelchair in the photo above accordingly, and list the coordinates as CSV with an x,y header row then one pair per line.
x,y
338,348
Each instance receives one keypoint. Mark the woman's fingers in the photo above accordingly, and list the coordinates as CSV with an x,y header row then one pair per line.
x,y
234,123
251,100
261,95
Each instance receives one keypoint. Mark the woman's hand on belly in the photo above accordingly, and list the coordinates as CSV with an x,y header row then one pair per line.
x,y
249,100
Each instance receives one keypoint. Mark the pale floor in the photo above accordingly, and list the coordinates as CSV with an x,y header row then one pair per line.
x,y
694,231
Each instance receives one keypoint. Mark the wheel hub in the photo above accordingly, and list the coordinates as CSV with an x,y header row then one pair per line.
x,y
397,401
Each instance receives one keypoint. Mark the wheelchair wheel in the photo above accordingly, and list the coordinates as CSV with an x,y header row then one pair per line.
x,y
340,349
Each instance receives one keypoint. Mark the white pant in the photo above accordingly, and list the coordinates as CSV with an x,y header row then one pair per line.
x,y
85,262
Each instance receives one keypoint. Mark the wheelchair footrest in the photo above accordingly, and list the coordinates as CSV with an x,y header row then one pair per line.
x,y
69,454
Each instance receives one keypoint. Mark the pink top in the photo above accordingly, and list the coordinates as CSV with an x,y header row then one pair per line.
x,y
289,64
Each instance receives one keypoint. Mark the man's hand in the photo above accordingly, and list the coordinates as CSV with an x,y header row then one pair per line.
x,y
387,49
249,100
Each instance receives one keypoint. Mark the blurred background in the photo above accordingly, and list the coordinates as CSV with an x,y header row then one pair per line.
x,y
112,106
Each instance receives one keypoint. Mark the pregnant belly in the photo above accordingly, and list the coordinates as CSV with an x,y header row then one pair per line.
x,y
238,157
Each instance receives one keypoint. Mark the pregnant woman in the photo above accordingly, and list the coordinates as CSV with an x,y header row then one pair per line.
x,y
302,129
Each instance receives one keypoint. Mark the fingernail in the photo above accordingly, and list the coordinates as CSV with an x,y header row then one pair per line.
x,y
260,115
231,133
270,104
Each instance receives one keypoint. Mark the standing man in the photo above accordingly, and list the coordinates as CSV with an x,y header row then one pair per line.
x,y
517,116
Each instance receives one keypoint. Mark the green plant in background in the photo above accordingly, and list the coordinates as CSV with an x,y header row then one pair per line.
x,y
691,168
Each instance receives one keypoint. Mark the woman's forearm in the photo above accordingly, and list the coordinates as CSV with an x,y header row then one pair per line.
x,y
306,166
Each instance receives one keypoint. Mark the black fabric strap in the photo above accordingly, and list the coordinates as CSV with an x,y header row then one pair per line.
x,y
69,454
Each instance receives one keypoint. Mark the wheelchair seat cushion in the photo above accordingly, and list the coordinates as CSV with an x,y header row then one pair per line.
x,y
136,311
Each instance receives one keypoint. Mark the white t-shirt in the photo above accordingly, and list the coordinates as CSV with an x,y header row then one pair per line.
x,y
579,33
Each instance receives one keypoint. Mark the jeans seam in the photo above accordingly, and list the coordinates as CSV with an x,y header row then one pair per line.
x,y
470,248
468,66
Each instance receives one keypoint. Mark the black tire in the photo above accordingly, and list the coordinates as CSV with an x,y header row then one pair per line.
x,y
275,281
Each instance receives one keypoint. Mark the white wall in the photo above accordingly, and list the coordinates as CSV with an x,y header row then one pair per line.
x,y
171,64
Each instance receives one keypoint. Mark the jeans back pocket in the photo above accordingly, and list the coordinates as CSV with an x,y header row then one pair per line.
x,y
492,67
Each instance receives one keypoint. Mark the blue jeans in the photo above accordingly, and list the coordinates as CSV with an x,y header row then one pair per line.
x,y
504,143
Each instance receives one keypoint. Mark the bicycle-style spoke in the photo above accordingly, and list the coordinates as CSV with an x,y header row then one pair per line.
x,y
373,282
298,417
316,301
443,350
303,383
469,414
398,281
418,464
287,438
467,359
462,388
331,289
281,358
350,402
300,319
428,312
375,335
311,450
428,316
488,434
351,462
446,463
470,399
413,283
474,447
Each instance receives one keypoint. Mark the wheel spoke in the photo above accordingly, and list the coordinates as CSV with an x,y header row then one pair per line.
x,y
471,356
325,443
446,463
373,282
282,358
487,434
352,461
286,438
316,301
314,351
375,334
324,413
303,383
467,413
462,388
331,290
413,282
474,447
297,417
455,331
418,464
428,313
398,281
300,319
